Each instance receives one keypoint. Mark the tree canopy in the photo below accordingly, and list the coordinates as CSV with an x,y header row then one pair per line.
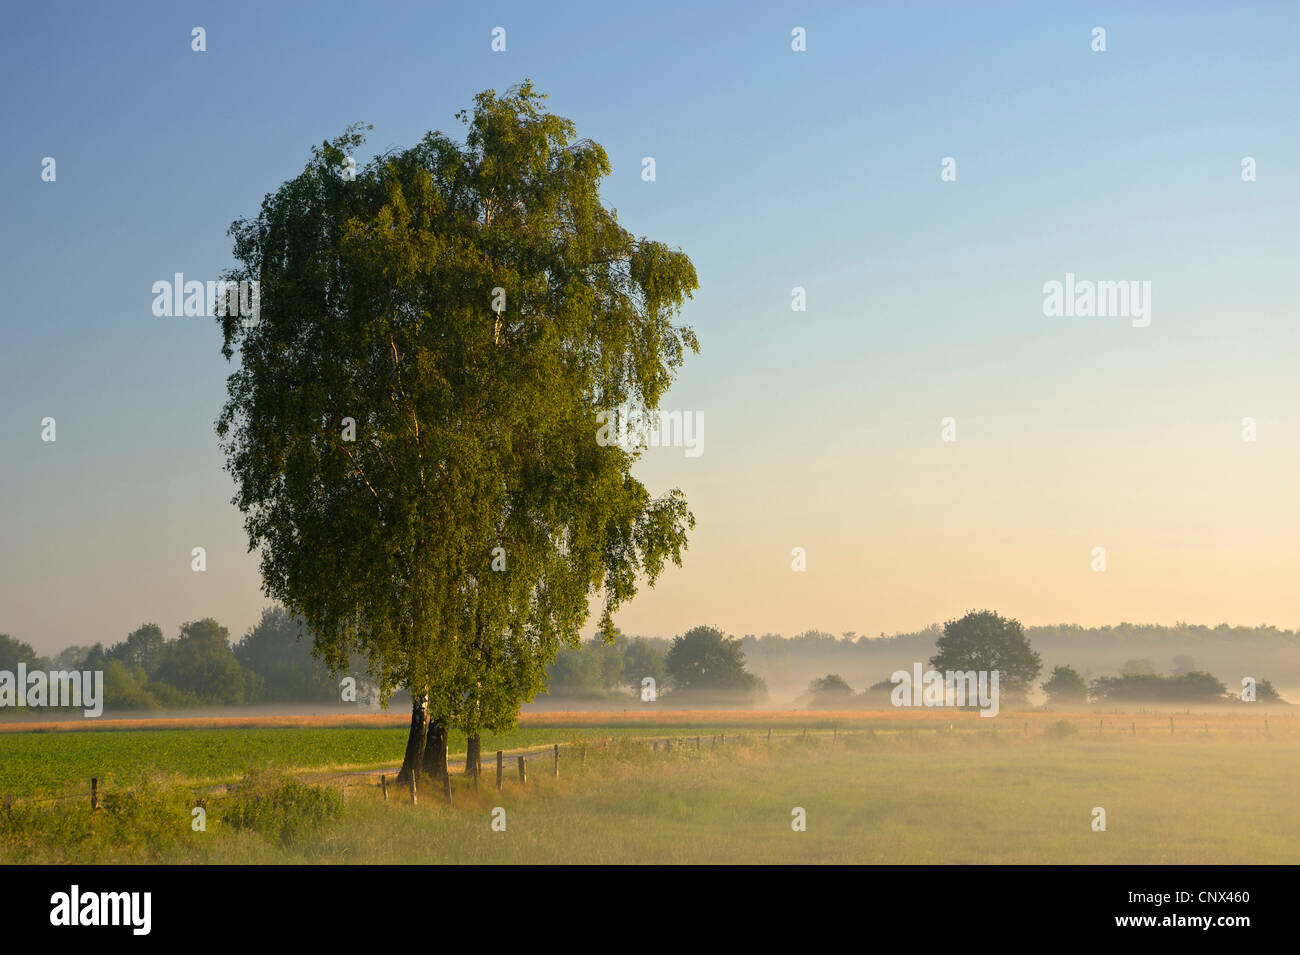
x,y
1066,685
983,640
412,424
201,662
279,651
704,658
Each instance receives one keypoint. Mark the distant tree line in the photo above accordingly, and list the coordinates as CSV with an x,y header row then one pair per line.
x,y
985,641
273,663
1141,685
701,662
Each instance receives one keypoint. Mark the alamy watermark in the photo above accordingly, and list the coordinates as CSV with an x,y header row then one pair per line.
x,y
195,299
56,688
631,428
1088,299
75,907
953,688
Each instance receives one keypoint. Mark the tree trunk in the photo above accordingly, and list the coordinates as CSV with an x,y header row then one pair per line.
x,y
415,741
473,755
435,750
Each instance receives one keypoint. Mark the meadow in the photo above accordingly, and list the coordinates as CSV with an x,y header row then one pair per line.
x,y
919,787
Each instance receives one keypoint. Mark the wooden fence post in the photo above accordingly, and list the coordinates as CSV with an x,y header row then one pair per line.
x,y
697,742
668,746
714,744
769,734
383,785
835,737
584,755
94,793
523,770
499,762
557,760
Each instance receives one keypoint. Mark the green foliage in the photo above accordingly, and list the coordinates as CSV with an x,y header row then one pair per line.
x,y
831,683
283,810
575,669
983,640
596,669
125,688
1265,692
129,688
704,658
145,824
143,648
278,652
830,690
1066,686
200,662
1196,686
474,430
13,652
645,658
171,697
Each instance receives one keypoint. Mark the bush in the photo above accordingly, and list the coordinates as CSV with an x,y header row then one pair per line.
x,y
284,811
144,824
1194,687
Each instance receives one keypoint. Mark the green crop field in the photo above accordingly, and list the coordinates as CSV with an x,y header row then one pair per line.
x,y
52,764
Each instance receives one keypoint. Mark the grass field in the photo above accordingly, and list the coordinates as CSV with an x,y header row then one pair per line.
x,y
890,787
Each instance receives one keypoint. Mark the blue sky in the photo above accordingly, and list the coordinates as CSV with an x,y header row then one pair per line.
x,y
775,169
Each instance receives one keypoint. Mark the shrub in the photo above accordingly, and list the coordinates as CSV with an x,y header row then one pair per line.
x,y
284,811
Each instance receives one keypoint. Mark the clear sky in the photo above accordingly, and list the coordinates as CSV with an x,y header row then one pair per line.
x,y
775,169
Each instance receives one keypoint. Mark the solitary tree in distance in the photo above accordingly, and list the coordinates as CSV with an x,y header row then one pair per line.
x,y
412,425
704,658
983,640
